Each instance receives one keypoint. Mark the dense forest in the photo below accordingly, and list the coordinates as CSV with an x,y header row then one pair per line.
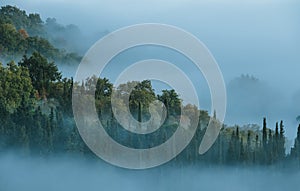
x,y
36,117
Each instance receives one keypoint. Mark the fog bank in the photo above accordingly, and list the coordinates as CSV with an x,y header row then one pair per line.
x,y
62,174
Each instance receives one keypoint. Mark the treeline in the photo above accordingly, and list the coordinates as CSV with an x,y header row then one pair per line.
x,y
24,34
36,119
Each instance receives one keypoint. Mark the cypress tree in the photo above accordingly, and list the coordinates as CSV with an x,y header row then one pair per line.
x,y
276,143
248,147
270,148
256,151
264,154
140,112
264,138
242,151
281,146
24,141
49,136
297,142
231,156
296,150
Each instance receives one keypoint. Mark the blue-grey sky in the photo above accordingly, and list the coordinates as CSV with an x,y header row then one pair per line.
x,y
257,37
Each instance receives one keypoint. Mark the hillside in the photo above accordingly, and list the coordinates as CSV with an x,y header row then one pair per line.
x,y
23,34
36,114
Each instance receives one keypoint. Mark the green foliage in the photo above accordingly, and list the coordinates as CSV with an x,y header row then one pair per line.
x,y
171,100
14,16
11,42
15,87
42,72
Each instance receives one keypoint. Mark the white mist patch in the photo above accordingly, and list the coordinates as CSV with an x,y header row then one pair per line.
x,y
63,174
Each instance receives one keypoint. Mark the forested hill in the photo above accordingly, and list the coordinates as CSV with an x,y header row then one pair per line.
x,y
36,110
22,34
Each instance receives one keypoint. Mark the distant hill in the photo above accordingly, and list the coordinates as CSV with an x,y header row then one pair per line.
x,y
22,34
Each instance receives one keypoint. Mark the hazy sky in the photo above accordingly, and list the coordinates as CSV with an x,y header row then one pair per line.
x,y
257,37
245,37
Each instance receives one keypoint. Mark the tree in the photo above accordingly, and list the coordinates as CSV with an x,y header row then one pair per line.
x,y
42,72
296,149
32,23
11,41
298,118
103,95
256,153
281,146
14,16
270,157
172,102
139,93
264,133
24,141
248,147
232,155
276,143
242,156
35,26
15,86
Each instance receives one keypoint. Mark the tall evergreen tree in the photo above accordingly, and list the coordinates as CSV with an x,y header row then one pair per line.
x,y
296,149
281,146
264,137
242,156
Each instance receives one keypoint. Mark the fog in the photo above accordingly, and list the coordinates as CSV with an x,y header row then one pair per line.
x,y
259,38
64,173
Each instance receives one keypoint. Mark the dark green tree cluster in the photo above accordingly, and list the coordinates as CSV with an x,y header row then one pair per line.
x,y
42,73
28,122
36,110
250,149
32,23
